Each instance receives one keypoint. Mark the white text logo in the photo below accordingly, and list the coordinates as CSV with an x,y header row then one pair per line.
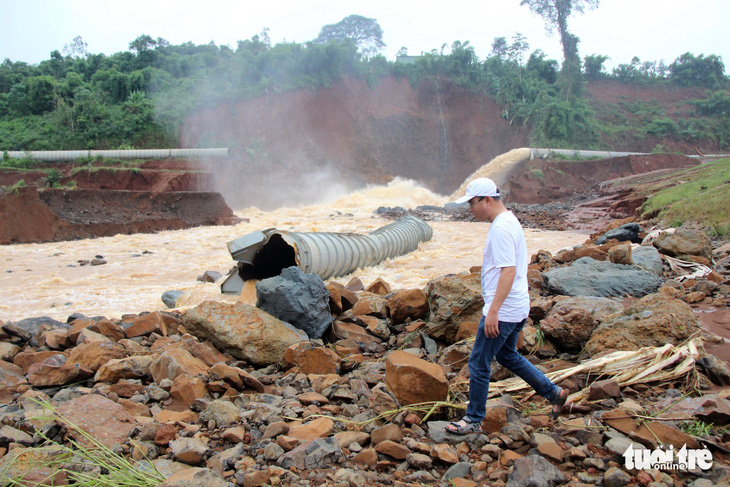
x,y
667,458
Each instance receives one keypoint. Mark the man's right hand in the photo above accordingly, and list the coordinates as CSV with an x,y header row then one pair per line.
x,y
491,325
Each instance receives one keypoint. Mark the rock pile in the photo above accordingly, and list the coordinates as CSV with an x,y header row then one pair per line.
x,y
230,395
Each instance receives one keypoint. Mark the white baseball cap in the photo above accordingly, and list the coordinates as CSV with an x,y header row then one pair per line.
x,y
477,188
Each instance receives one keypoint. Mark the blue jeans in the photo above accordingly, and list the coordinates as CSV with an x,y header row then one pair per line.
x,y
503,348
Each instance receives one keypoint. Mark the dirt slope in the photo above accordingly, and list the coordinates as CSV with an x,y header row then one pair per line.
x,y
54,215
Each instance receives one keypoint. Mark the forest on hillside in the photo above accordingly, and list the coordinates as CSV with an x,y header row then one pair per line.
x,y
140,97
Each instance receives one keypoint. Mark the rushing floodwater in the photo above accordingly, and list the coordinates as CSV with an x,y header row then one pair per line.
x,y
46,279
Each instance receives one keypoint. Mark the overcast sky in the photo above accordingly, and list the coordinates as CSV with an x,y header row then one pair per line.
x,y
650,29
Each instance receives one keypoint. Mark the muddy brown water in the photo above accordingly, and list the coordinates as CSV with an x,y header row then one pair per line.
x,y
47,279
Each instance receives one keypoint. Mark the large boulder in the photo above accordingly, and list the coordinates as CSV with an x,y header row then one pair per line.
x,y
570,323
684,242
413,380
297,298
589,277
626,232
653,321
97,416
243,331
648,258
453,299
408,303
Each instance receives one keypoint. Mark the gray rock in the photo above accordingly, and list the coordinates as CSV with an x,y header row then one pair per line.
x,y
615,477
628,231
194,477
589,277
420,477
534,471
28,328
317,454
222,412
188,450
648,258
620,444
170,298
299,299
715,369
438,433
458,470
8,434
272,451
210,276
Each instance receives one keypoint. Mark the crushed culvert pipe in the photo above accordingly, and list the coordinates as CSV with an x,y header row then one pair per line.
x,y
263,254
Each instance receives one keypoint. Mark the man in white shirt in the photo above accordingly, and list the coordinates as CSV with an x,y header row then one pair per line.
x,y
506,307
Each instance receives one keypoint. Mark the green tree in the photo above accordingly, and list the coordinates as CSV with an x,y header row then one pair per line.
x,y
76,49
42,94
690,70
555,13
366,33
593,66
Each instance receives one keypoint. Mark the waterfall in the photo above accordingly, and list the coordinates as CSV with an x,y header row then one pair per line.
x,y
443,136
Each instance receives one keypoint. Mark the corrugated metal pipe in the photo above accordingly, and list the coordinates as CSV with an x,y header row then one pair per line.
x,y
72,155
264,254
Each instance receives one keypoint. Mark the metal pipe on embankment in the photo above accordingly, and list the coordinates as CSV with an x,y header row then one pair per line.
x,y
72,155
264,254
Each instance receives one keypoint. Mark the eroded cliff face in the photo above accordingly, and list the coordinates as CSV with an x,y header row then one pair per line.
x,y
435,133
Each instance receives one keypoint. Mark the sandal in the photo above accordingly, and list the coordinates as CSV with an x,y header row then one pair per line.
x,y
559,402
464,429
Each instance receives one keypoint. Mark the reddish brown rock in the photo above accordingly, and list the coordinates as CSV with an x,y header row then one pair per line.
x,y
444,453
653,321
367,457
244,331
308,398
604,389
104,420
134,367
453,300
390,432
150,323
25,359
408,303
88,336
393,449
204,351
135,408
126,388
413,380
187,389
12,377
571,321
347,438
343,330
378,286
55,371
167,416
311,359
235,377
621,254
95,354
370,304
588,250
344,348
110,330
172,363
318,428
56,339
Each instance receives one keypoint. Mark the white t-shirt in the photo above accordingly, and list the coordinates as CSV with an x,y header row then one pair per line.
x,y
506,247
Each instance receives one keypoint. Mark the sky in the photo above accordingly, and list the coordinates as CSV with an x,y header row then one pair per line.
x,y
652,30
